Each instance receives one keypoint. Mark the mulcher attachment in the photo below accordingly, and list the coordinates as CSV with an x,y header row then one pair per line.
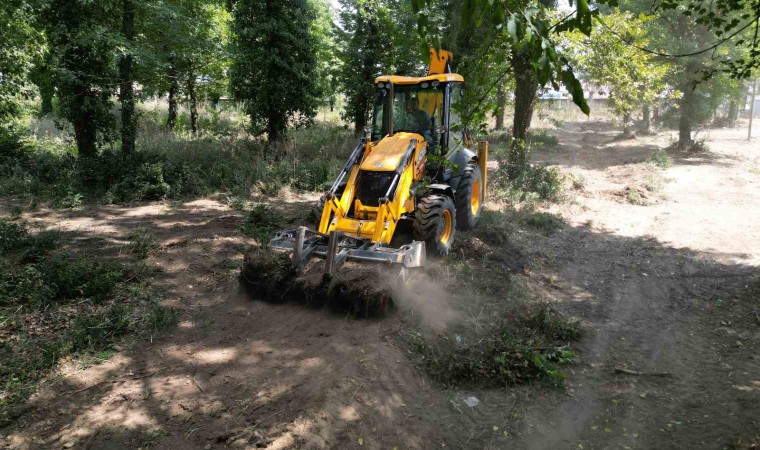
x,y
338,247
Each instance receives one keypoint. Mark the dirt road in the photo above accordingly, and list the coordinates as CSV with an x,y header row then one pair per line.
x,y
655,286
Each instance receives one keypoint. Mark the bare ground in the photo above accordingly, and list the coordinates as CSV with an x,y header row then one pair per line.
x,y
657,287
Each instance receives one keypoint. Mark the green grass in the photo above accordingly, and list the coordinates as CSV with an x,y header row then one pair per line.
x,y
260,223
661,159
54,304
545,222
142,243
522,346
44,167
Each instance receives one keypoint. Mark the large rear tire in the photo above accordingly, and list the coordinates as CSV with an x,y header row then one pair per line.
x,y
469,197
435,223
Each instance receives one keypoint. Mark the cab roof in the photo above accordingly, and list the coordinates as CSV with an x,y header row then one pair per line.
x,y
440,77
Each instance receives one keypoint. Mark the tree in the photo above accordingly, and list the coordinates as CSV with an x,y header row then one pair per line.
x,y
273,69
185,45
126,73
83,40
364,44
21,46
635,78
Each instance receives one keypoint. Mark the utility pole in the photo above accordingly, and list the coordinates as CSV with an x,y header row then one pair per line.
x,y
752,110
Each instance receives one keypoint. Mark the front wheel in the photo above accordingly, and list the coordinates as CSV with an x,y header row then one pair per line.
x,y
469,197
435,223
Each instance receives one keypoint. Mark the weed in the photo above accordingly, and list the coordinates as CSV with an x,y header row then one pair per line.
x,y
260,223
142,243
634,197
520,347
653,183
534,181
661,158
546,222
578,182
542,138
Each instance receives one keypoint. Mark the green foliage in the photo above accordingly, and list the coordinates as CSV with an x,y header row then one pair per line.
x,y
83,38
546,222
661,158
142,243
274,69
635,78
54,303
527,182
377,38
531,33
260,223
21,46
523,347
542,138
167,165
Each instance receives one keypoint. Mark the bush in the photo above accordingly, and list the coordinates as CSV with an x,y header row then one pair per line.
x,y
172,165
661,158
524,347
546,222
541,182
260,223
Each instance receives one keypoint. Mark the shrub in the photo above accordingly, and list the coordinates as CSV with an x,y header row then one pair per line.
x,y
142,243
546,222
521,347
544,183
542,138
260,223
661,158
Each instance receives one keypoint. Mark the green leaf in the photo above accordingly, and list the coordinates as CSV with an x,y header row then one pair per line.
x,y
583,16
576,90
512,28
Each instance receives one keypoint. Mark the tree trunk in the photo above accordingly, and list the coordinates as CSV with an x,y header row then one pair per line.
x,y
276,124
501,106
733,113
646,122
525,100
193,102
127,93
46,99
686,120
626,125
171,120
655,114
85,134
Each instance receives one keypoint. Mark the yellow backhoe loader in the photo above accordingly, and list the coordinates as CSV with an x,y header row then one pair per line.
x,y
417,163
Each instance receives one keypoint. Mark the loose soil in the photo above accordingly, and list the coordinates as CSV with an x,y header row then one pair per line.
x,y
670,356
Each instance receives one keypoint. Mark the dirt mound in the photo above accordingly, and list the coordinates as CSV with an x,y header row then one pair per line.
x,y
357,289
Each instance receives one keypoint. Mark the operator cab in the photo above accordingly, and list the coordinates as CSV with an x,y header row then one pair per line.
x,y
430,106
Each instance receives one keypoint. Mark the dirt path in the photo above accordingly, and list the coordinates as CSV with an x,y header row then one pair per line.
x,y
654,285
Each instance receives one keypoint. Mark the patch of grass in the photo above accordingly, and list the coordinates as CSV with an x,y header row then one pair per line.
x,y
661,159
54,304
634,198
260,223
546,222
755,171
142,243
172,165
542,138
578,182
535,182
521,347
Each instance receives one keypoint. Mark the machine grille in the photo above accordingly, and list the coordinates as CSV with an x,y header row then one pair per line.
x,y
372,186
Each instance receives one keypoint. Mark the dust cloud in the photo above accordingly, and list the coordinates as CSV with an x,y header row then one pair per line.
x,y
428,298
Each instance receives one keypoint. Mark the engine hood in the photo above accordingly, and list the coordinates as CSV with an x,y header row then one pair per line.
x,y
386,155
